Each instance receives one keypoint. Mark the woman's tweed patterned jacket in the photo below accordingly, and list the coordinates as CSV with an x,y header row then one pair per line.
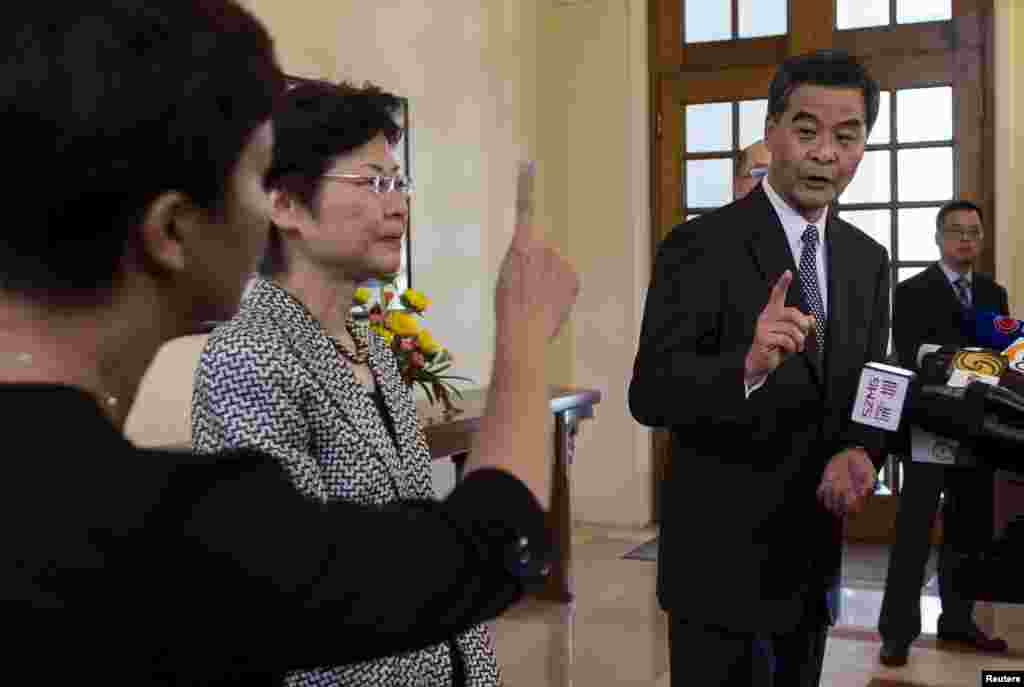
x,y
271,379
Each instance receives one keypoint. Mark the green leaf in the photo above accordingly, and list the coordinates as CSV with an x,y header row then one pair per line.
x,y
464,379
427,389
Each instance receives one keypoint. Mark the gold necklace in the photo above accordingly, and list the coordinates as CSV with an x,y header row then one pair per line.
x,y
362,353
109,400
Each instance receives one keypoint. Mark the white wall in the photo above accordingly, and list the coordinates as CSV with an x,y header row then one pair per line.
x,y
1009,99
598,80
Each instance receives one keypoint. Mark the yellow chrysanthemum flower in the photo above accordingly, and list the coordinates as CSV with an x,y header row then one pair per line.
x,y
427,344
415,300
362,296
402,323
382,331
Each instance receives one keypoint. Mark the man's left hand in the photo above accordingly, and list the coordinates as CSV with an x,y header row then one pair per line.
x,y
848,480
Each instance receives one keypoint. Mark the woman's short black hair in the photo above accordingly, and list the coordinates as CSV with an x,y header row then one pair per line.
x,y
317,122
109,104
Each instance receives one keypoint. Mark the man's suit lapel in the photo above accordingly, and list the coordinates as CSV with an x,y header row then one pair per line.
x,y
985,294
841,267
771,252
939,283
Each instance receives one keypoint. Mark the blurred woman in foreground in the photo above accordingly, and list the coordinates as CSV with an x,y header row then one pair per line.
x,y
137,213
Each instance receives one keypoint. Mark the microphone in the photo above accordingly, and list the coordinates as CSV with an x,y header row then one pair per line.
x,y
947,422
991,330
959,366
1013,378
1014,354
953,425
935,363
954,411
881,396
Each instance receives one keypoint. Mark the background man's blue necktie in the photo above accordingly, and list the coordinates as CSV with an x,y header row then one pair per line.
x,y
963,291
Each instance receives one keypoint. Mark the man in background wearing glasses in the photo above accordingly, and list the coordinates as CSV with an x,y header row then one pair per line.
x,y
751,166
928,308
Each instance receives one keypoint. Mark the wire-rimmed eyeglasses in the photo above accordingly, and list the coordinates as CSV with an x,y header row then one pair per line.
x,y
964,234
378,183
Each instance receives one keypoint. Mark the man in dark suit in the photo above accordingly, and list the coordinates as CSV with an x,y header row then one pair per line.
x,y
929,308
756,379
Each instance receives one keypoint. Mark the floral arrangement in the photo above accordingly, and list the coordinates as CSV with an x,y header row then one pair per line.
x,y
421,359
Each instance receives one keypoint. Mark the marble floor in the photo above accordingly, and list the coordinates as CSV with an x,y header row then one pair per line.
x,y
615,634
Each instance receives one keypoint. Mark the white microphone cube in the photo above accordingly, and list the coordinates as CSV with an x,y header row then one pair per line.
x,y
880,396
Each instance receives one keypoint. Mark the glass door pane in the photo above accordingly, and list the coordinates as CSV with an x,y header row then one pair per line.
x,y
762,18
917,234
708,128
871,183
752,116
858,14
905,273
911,11
707,20
708,183
882,133
875,223
924,114
925,174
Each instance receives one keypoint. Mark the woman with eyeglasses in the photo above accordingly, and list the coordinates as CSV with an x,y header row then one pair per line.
x,y
295,376
179,569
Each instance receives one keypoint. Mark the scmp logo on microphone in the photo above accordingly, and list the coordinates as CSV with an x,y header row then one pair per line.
x,y
880,396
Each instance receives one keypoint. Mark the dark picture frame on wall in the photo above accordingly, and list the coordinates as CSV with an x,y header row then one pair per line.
x,y
404,279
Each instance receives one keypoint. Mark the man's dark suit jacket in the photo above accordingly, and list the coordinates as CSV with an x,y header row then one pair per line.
x,y
926,310
743,538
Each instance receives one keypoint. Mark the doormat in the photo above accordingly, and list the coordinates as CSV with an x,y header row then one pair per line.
x,y
644,552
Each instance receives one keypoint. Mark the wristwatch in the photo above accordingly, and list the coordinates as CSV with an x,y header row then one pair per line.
x,y
525,563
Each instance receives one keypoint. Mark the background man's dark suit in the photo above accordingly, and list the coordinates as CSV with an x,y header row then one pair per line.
x,y
745,544
926,310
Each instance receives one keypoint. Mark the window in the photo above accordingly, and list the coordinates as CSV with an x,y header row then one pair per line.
x,y
860,14
905,177
715,133
720,20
